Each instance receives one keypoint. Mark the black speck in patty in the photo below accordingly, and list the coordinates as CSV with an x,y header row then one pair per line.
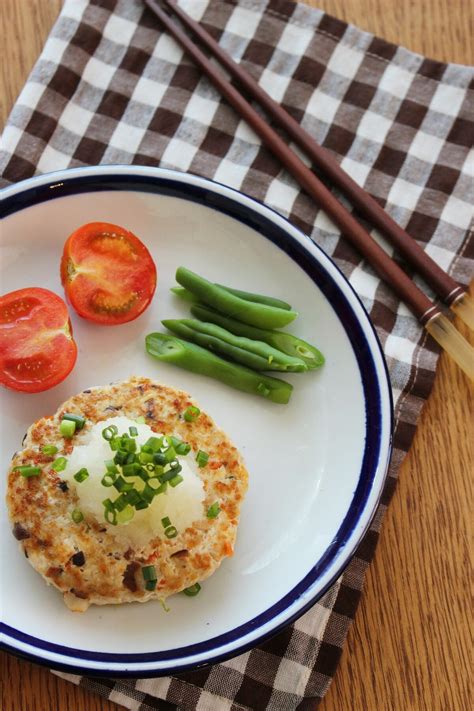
x,y
20,533
129,576
63,486
150,409
180,554
78,558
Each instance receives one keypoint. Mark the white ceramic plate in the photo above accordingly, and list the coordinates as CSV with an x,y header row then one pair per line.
x,y
317,465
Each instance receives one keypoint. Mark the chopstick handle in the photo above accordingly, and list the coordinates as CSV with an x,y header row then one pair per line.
x,y
400,282
444,285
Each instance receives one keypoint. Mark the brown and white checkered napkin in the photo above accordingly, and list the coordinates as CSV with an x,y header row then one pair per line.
x,y
111,87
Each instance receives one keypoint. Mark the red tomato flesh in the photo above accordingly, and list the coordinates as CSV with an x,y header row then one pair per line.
x,y
37,350
108,274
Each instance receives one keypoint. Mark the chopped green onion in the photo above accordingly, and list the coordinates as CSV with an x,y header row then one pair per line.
x,y
49,449
191,413
133,469
148,494
108,480
179,446
133,431
110,432
171,532
149,575
170,474
154,484
262,388
133,497
170,454
120,457
126,515
79,420
149,572
77,516
159,458
110,466
192,590
140,420
142,504
67,428
154,442
145,457
214,510
202,458
120,502
165,522
176,480
150,585
28,471
129,444
110,514
183,448
81,475
59,464
121,485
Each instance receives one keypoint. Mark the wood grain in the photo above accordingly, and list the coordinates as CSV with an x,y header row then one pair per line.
x,y
409,647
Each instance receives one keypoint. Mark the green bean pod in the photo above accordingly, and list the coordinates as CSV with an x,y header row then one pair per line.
x,y
189,356
254,354
246,295
255,314
285,342
185,294
257,298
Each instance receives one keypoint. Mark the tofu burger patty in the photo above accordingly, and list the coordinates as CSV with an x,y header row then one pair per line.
x,y
95,562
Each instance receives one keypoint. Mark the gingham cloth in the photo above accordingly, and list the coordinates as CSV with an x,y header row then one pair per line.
x,y
111,87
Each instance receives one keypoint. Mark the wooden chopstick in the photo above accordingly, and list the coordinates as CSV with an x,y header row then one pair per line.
x,y
444,285
426,311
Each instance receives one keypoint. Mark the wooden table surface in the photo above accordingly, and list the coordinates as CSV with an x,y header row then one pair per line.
x,y
410,644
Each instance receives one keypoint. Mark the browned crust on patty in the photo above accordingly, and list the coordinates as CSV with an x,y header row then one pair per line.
x,y
40,507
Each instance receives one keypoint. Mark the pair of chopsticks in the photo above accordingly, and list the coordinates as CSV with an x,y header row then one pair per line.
x,y
428,313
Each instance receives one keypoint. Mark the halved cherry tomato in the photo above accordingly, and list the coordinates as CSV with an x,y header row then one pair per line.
x,y
109,275
37,350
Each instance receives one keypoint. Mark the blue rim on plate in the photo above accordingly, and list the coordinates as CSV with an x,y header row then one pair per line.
x,y
378,406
